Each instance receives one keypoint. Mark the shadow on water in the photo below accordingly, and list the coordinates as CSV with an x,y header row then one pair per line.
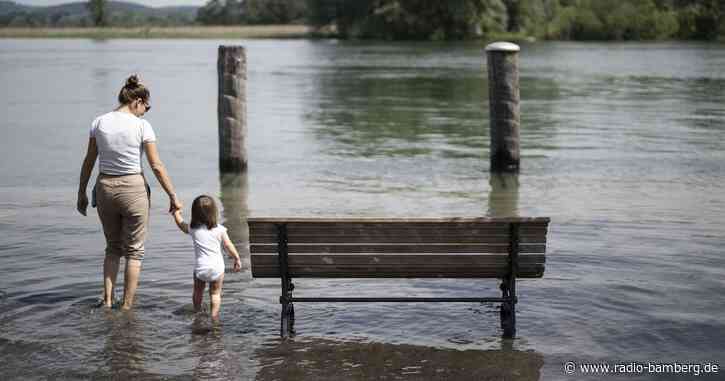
x,y
503,199
323,359
234,188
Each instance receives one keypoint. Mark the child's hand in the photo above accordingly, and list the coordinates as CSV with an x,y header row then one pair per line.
x,y
237,265
179,219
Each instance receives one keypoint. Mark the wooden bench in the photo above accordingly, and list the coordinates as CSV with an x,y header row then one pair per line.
x,y
504,248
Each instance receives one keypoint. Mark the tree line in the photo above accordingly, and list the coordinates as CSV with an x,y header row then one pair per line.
x,y
437,19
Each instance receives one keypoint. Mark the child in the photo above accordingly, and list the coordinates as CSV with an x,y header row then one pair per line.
x,y
208,237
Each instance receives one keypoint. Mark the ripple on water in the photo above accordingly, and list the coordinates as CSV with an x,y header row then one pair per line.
x,y
47,298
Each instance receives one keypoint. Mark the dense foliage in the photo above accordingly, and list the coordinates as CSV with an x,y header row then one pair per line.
x,y
549,19
230,12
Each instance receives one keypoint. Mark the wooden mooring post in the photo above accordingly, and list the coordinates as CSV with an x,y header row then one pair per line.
x,y
232,108
503,94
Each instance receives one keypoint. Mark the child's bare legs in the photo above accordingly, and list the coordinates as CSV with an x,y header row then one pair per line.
x,y
130,282
110,272
199,287
215,297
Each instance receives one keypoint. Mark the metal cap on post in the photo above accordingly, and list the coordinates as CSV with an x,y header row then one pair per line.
x,y
232,108
503,91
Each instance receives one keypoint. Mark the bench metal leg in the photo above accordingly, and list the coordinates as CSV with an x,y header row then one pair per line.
x,y
508,285
287,320
291,319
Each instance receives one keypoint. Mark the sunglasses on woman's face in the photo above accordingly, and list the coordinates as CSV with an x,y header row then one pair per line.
x,y
145,104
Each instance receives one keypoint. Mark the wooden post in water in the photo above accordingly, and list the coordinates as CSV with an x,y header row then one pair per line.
x,y
503,94
232,109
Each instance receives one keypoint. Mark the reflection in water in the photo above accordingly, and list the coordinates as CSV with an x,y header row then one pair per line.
x,y
125,346
322,359
503,200
207,347
386,111
234,189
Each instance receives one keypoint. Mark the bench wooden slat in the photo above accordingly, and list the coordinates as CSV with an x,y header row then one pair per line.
x,y
395,248
445,220
426,265
528,271
348,228
400,237
399,259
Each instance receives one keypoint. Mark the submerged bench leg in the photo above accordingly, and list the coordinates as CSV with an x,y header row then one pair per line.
x,y
508,320
287,320
508,311
286,328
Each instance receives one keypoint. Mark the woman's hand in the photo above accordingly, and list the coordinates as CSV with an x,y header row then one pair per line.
x,y
237,265
82,204
88,162
174,204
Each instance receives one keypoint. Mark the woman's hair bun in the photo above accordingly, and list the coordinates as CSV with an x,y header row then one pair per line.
x,y
133,81
132,90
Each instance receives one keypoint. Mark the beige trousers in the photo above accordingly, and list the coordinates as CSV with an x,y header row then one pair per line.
x,y
123,207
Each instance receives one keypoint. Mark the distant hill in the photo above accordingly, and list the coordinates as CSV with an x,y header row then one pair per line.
x,y
76,13
7,7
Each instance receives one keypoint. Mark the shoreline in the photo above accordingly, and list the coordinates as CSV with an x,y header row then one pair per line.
x,y
171,32
246,31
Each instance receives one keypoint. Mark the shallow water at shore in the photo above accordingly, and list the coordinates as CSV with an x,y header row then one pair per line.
x,y
623,148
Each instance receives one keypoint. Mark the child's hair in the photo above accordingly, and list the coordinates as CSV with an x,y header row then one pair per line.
x,y
132,90
203,212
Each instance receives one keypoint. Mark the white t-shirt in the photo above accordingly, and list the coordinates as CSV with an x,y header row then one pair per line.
x,y
119,138
208,249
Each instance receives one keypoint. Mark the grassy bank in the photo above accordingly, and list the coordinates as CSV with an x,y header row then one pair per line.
x,y
255,31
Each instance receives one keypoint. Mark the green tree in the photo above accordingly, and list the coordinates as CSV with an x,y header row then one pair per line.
x,y
409,19
220,12
273,11
97,9
701,19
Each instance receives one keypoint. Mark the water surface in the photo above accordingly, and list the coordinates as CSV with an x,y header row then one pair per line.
x,y
623,148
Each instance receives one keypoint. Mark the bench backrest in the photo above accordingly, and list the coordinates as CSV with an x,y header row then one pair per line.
x,y
398,248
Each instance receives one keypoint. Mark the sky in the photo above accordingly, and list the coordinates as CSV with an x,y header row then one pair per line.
x,y
151,3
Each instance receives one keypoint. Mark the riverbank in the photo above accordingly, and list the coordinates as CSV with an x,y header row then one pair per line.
x,y
247,31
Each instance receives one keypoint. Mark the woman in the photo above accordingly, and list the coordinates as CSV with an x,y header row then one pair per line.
x,y
119,139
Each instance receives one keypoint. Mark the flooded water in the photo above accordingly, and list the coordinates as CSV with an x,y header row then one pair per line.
x,y
623,147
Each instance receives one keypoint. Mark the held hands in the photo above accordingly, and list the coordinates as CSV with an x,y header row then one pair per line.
x,y
174,204
179,219
82,203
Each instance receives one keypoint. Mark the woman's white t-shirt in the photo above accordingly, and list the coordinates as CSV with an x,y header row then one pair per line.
x,y
119,138
208,259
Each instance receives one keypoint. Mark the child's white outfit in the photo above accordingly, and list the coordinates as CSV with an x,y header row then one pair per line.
x,y
208,261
